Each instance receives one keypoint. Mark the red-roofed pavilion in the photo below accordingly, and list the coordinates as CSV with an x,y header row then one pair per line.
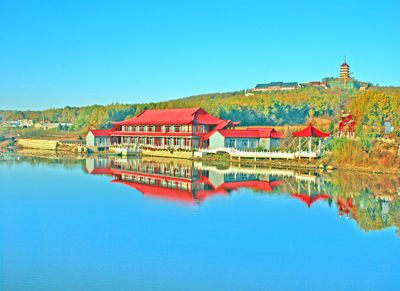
x,y
309,132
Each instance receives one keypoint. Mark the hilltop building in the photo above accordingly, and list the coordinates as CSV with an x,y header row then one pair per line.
x,y
344,81
276,86
344,71
317,84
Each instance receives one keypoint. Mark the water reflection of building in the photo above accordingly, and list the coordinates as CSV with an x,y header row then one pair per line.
x,y
373,204
178,180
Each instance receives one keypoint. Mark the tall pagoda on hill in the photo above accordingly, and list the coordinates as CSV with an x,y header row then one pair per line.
x,y
344,71
344,81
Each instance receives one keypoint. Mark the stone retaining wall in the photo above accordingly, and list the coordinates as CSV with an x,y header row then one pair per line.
x,y
39,144
167,153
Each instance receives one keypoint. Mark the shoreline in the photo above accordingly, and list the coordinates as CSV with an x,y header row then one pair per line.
x,y
317,165
305,164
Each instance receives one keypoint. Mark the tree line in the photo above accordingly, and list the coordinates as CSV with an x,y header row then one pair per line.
x,y
270,108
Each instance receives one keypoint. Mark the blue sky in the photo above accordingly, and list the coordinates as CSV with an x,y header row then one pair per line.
x,y
57,53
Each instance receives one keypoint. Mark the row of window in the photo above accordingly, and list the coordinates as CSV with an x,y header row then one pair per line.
x,y
161,141
241,143
159,170
161,183
165,128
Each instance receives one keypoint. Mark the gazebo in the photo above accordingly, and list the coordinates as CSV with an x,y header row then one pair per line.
x,y
309,132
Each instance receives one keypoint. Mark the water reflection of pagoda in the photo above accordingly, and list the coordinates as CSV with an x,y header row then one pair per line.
x,y
179,181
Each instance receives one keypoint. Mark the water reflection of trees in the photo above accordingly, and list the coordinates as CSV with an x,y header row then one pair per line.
x,y
371,200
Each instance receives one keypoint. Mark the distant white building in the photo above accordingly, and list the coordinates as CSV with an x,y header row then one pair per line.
x,y
22,123
51,125
98,138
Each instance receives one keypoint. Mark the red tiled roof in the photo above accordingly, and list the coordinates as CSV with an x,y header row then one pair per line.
x,y
101,132
220,126
310,131
268,132
171,116
162,116
205,118
239,133
251,133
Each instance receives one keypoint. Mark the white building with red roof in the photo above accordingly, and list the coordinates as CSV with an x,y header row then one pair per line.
x,y
100,138
189,128
250,138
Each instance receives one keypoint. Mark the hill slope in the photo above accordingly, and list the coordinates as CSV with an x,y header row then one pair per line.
x,y
274,108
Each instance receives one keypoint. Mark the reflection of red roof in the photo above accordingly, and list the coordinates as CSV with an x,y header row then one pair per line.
x,y
171,116
101,132
344,65
167,193
310,131
310,199
101,171
255,185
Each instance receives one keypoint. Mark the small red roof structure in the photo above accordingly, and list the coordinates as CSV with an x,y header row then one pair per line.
x,y
171,116
101,132
252,132
240,133
205,118
267,132
220,126
310,131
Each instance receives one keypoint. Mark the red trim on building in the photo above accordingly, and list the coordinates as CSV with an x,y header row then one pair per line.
x,y
101,132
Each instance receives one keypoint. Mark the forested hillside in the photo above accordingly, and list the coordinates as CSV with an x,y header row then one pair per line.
x,y
275,108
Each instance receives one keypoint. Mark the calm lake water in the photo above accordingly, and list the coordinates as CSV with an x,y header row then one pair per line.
x,y
118,224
